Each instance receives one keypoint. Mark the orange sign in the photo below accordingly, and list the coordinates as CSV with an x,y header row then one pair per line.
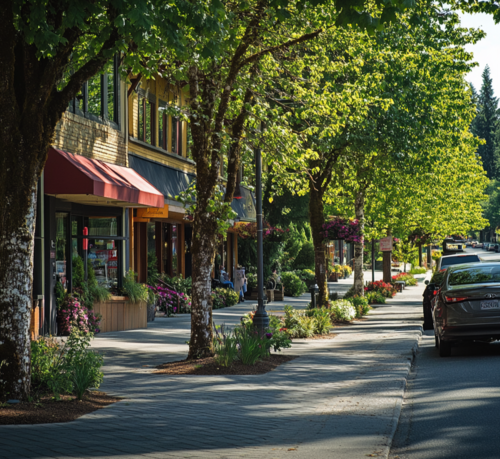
x,y
153,212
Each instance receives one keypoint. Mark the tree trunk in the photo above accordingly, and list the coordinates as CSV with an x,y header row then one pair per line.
x,y
317,219
359,279
203,253
16,275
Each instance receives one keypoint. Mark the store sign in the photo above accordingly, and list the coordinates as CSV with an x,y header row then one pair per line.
x,y
153,212
386,244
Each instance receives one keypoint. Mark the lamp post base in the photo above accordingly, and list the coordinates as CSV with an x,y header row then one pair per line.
x,y
261,318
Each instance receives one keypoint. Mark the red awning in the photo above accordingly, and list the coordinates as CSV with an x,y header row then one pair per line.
x,y
79,179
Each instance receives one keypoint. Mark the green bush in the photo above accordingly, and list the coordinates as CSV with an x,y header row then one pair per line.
x,y
224,298
305,257
251,280
297,324
418,270
252,347
323,321
360,304
225,346
65,368
375,298
307,276
292,283
179,284
342,311
136,292
349,293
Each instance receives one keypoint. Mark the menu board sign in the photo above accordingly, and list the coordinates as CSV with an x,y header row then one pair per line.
x,y
386,244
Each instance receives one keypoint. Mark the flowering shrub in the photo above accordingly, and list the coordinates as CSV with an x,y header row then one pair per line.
x,y
223,298
72,315
342,228
375,298
342,311
294,286
169,301
360,304
249,231
406,277
385,289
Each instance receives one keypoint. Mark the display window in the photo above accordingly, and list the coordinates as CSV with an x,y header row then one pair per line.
x,y
60,255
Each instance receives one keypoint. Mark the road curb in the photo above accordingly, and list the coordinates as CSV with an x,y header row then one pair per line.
x,y
399,403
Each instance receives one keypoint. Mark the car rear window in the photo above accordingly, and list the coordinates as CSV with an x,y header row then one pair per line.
x,y
459,260
476,275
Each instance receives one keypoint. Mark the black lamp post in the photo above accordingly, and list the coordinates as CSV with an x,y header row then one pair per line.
x,y
260,319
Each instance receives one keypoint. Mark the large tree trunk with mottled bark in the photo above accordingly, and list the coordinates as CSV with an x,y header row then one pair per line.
x,y
203,250
317,220
359,280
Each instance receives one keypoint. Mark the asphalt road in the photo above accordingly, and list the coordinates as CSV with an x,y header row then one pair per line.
x,y
452,405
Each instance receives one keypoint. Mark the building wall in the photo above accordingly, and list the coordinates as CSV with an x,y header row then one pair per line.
x,y
92,139
157,90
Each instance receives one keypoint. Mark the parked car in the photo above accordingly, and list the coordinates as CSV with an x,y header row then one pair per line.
x,y
492,247
477,245
467,306
449,260
430,292
485,246
451,246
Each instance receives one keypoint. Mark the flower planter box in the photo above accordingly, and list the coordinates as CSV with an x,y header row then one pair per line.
x,y
119,315
279,295
254,295
270,295
334,277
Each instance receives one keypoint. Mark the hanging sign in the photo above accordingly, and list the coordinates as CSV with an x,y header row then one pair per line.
x,y
386,244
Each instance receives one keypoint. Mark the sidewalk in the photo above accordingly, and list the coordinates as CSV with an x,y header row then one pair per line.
x,y
340,399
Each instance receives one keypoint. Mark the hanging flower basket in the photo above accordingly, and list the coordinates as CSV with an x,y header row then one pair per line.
x,y
269,232
339,228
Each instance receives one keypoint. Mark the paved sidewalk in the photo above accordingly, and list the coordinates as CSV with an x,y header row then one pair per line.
x,y
340,399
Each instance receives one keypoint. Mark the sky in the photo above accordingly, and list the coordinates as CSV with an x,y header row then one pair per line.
x,y
486,51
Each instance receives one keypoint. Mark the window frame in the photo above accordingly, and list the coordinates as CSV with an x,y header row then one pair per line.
x,y
114,120
141,100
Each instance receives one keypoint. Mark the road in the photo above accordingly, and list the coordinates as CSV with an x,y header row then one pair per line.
x,y
452,405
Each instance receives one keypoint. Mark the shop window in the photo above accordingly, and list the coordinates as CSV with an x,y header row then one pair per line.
x,y
162,125
61,248
103,251
98,99
146,119
171,249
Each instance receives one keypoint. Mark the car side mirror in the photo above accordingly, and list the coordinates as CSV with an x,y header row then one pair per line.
x,y
426,282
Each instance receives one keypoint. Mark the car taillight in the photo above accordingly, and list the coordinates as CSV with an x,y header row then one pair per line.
x,y
441,270
455,299
435,292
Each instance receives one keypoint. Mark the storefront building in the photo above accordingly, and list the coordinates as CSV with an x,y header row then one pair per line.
x,y
159,151
86,193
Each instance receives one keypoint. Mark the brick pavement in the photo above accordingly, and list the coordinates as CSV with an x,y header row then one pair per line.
x,y
339,399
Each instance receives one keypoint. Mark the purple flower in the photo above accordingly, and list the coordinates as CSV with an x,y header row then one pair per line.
x,y
269,335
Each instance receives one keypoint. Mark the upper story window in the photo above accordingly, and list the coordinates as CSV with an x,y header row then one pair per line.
x,y
99,97
146,117
169,130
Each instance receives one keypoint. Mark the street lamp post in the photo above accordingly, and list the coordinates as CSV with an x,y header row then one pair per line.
x,y
260,319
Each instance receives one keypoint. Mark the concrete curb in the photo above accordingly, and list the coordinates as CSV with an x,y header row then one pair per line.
x,y
399,404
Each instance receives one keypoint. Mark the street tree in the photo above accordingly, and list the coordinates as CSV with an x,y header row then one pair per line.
x,y
49,49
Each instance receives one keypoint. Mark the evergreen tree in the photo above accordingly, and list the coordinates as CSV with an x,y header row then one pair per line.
x,y
486,123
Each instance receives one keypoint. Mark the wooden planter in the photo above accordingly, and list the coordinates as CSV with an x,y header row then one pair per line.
x,y
270,295
34,323
254,295
119,315
279,295
334,277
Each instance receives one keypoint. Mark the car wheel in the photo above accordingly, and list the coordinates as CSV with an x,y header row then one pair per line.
x,y
444,348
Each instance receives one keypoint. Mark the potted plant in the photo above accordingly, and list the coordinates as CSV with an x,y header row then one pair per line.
x,y
336,273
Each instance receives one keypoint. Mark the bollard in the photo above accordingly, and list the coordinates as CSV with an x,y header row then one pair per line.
x,y
314,289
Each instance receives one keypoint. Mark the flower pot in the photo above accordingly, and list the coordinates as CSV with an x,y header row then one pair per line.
x,y
334,277
151,312
279,294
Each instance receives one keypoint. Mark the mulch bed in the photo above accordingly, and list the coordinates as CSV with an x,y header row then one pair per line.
x,y
49,411
209,367
323,336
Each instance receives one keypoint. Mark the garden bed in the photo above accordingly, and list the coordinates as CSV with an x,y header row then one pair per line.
x,y
49,410
209,367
